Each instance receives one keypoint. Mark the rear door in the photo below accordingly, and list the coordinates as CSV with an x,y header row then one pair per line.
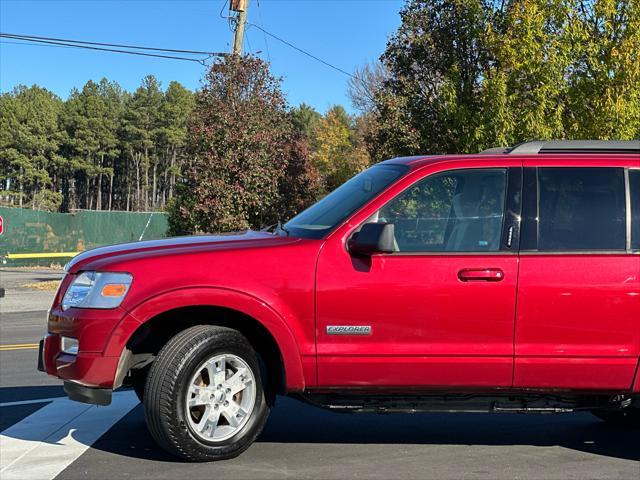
x,y
578,312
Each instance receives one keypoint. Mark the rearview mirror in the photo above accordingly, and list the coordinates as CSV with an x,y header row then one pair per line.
x,y
373,238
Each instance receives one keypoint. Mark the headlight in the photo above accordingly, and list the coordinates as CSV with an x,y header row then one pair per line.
x,y
97,290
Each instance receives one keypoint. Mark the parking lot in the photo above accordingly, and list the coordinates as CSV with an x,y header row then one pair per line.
x,y
46,436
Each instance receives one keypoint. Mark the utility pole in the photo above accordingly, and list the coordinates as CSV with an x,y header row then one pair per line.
x,y
240,6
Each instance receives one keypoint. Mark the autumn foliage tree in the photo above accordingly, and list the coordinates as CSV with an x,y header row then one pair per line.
x,y
465,75
246,156
336,154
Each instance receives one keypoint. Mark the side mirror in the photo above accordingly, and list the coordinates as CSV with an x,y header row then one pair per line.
x,y
373,238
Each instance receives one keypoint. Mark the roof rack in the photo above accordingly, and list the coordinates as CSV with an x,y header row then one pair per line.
x,y
570,146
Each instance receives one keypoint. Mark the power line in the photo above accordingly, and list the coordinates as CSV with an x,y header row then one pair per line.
x,y
47,41
26,44
120,45
302,51
101,46
50,43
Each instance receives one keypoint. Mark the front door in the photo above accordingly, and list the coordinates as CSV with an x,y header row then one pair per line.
x,y
439,311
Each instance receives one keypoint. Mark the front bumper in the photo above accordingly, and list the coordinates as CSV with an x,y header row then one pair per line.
x,y
40,356
89,369
101,334
90,374
75,391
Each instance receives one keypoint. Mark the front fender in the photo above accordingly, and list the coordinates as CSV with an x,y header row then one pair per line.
x,y
215,297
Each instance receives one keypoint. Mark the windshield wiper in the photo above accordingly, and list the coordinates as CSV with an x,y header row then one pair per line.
x,y
281,228
269,228
275,228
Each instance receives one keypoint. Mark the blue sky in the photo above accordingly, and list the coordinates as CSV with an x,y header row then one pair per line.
x,y
347,33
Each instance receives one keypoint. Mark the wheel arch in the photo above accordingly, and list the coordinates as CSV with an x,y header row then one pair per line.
x,y
150,324
635,387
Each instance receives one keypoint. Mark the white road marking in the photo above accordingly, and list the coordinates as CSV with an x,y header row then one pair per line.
x,y
49,440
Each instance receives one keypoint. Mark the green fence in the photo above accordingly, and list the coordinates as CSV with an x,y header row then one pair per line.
x,y
37,232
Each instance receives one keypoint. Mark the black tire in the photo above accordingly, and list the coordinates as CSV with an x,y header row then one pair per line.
x,y
628,417
164,405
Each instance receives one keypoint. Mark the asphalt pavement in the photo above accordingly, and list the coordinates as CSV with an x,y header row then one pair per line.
x,y
43,435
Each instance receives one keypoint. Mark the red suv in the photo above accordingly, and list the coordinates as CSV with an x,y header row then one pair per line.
x,y
505,281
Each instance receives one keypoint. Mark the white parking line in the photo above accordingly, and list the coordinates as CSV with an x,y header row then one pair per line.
x,y
49,440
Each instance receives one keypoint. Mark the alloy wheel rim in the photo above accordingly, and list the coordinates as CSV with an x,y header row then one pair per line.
x,y
220,397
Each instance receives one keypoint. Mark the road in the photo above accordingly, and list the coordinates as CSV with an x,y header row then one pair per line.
x,y
299,441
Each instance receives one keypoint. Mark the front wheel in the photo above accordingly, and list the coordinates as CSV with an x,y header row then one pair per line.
x,y
204,397
628,417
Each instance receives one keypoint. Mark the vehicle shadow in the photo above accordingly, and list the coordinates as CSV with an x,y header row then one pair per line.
x,y
295,422
22,394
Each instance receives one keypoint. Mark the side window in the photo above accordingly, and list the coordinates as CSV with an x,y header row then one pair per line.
x,y
457,211
634,184
581,209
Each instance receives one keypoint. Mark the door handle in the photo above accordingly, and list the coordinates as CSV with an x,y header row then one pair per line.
x,y
481,274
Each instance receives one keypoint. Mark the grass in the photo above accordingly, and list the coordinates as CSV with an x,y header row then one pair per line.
x,y
47,286
52,266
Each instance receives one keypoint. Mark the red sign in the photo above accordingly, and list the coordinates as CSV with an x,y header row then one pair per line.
x,y
1,227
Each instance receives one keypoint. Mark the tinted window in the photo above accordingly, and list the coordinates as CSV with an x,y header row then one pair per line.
x,y
458,211
634,182
581,209
321,217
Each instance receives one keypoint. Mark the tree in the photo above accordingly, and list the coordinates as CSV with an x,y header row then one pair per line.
x,y
29,143
305,119
335,154
524,90
240,141
465,75
435,63
301,184
365,85
176,107
604,91
92,121
141,131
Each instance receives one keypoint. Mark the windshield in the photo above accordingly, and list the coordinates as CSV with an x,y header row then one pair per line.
x,y
323,216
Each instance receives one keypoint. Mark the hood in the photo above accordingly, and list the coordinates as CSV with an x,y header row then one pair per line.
x,y
176,244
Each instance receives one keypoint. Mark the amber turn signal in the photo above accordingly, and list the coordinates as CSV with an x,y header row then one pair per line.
x,y
114,290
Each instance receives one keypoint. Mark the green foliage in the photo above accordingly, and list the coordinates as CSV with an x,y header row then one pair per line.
x,y
30,141
243,144
47,200
102,148
91,122
305,118
435,63
465,75
336,154
604,94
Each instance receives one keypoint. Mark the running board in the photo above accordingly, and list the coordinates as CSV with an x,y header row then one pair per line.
x,y
521,403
